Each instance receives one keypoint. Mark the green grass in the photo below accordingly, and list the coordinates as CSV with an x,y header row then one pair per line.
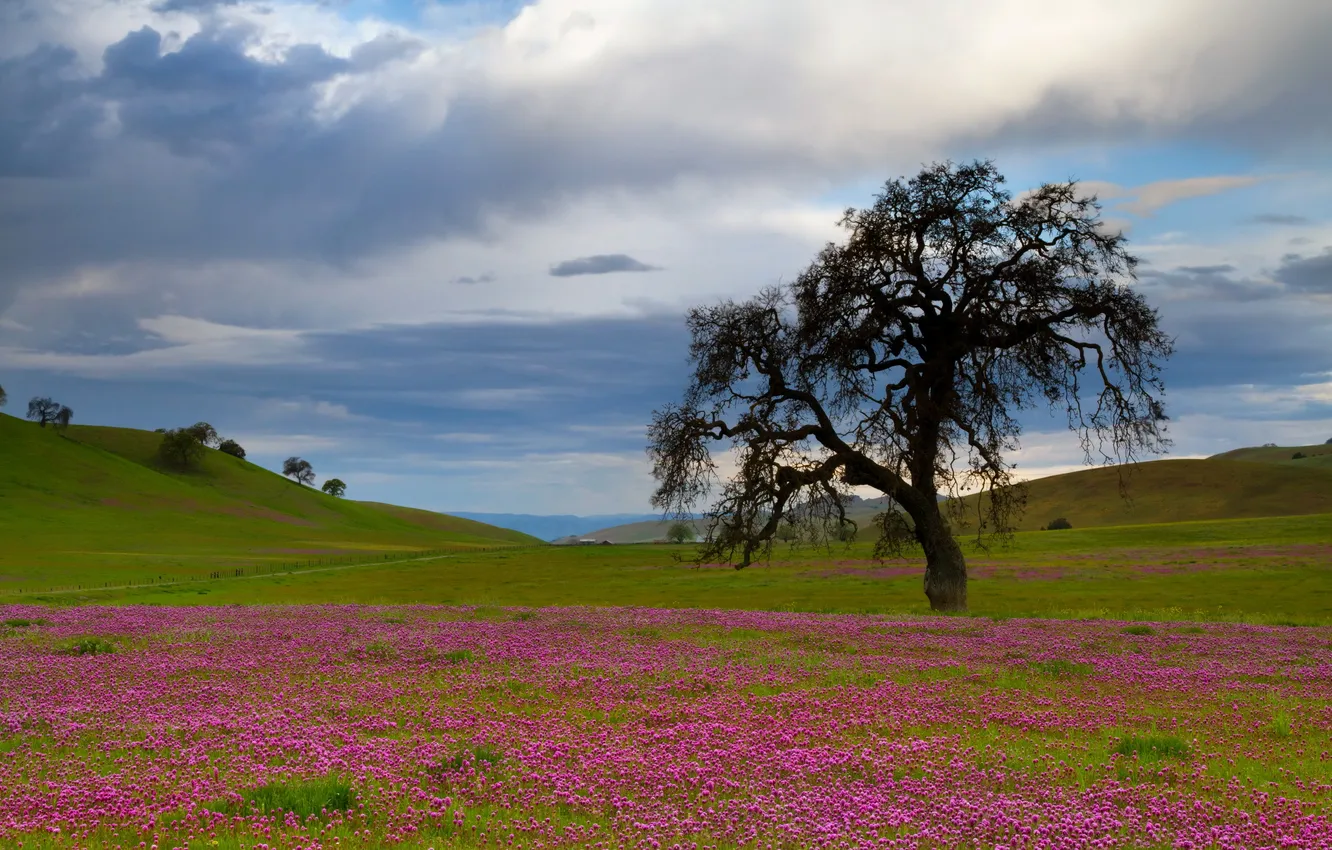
x,y
1153,747
1167,491
1316,456
93,506
91,509
1275,571
303,799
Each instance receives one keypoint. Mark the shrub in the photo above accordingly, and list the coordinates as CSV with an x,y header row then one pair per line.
x,y
1298,456
232,448
1059,523
1139,630
86,646
180,448
1152,747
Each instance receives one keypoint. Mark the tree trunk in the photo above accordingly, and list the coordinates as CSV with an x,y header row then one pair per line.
x,y
945,567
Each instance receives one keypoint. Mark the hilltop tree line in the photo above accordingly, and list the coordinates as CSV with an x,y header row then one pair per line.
x,y
181,448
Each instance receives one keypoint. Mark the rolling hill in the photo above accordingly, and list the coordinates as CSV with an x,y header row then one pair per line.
x,y
96,499
1244,483
1314,456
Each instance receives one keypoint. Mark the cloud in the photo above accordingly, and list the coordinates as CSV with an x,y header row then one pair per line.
x,y
294,135
599,264
1307,274
467,280
1149,198
1280,218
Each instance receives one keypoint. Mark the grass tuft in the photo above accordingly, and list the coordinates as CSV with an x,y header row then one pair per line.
x,y
1153,747
1138,630
301,798
1060,667
457,656
86,646
479,757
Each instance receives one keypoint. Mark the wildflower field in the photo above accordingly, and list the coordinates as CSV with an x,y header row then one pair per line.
x,y
424,726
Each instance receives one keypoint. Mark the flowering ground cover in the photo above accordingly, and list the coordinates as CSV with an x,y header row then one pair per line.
x,y
421,726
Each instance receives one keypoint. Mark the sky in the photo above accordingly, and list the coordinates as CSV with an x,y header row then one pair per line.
x,y
443,250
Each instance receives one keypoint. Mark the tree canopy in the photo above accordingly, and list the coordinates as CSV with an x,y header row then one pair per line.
x,y
203,432
232,448
299,469
43,410
180,448
899,360
334,487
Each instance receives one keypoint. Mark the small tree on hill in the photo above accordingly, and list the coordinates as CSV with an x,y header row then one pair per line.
x,y
204,433
1059,524
180,448
232,448
63,417
680,533
43,410
4,397
900,360
334,487
299,469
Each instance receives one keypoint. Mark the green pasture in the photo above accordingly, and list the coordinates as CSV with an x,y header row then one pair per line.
x,y
92,516
1264,570
94,506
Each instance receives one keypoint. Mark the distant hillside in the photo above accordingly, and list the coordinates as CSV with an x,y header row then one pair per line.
x,y
1314,456
1229,486
634,532
99,493
1178,490
556,526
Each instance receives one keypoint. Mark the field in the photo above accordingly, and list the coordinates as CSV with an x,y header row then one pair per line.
x,y
420,726
1276,570
224,659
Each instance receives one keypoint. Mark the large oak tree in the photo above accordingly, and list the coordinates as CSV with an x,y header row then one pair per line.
x,y
900,359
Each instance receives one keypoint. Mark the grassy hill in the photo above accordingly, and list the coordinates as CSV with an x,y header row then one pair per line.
x,y
95,504
1319,456
1165,491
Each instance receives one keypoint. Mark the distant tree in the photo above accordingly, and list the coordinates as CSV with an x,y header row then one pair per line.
x,y
204,433
232,448
63,417
680,533
334,487
43,410
4,398
1269,445
299,469
1297,456
180,448
1329,442
1059,524
900,360
788,533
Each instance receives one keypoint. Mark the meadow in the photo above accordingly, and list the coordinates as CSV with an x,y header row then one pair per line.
x,y
1272,570
429,726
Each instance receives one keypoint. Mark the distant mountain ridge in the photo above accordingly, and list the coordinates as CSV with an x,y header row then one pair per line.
x,y
556,526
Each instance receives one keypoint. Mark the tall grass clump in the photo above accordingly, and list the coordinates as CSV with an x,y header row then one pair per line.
x,y
302,798
1153,747
86,646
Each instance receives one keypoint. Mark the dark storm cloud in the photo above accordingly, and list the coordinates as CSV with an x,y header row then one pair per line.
x,y
46,118
1307,274
600,264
